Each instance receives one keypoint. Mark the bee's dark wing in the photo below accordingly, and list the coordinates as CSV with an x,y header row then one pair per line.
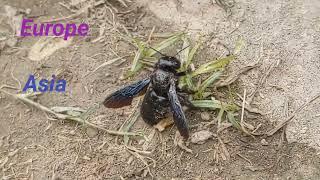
x,y
177,111
123,97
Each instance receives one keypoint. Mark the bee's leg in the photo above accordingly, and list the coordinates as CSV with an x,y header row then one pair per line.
x,y
184,100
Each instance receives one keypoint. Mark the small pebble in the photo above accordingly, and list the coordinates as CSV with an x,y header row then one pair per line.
x,y
86,158
28,11
201,136
205,116
91,132
264,142
72,132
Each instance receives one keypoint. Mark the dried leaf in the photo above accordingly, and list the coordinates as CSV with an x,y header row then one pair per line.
x,y
161,126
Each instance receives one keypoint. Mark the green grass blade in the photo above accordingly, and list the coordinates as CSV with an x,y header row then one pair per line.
x,y
182,82
211,104
210,80
214,104
138,55
164,44
204,85
220,114
184,55
239,45
213,66
189,82
192,53
233,120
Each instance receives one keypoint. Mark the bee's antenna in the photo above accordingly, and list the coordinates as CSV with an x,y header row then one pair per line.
x,y
181,50
157,51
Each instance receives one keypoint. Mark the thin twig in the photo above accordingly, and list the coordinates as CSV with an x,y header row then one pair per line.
x,y
129,118
281,124
242,109
224,149
137,155
262,80
242,123
13,77
150,35
246,159
131,148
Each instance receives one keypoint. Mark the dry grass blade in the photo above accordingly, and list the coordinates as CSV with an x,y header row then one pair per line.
x,y
233,77
105,64
224,149
130,124
138,151
23,98
242,123
72,111
142,159
123,3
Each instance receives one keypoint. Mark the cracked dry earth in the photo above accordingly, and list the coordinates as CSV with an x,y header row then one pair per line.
x,y
283,36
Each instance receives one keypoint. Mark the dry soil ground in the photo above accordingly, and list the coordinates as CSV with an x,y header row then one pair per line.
x,y
284,36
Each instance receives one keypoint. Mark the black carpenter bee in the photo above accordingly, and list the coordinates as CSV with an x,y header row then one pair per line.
x,y
161,95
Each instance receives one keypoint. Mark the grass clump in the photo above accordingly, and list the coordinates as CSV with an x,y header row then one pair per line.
x,y
213,70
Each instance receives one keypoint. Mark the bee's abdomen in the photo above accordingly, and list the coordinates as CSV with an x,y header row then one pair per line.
x,y
154,107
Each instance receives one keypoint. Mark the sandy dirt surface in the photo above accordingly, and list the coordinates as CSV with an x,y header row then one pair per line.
x,y
282,37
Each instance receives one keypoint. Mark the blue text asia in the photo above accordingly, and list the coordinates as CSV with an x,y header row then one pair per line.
x,y
45,85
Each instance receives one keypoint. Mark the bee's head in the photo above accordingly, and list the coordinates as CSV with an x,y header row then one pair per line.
x,y
168,63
